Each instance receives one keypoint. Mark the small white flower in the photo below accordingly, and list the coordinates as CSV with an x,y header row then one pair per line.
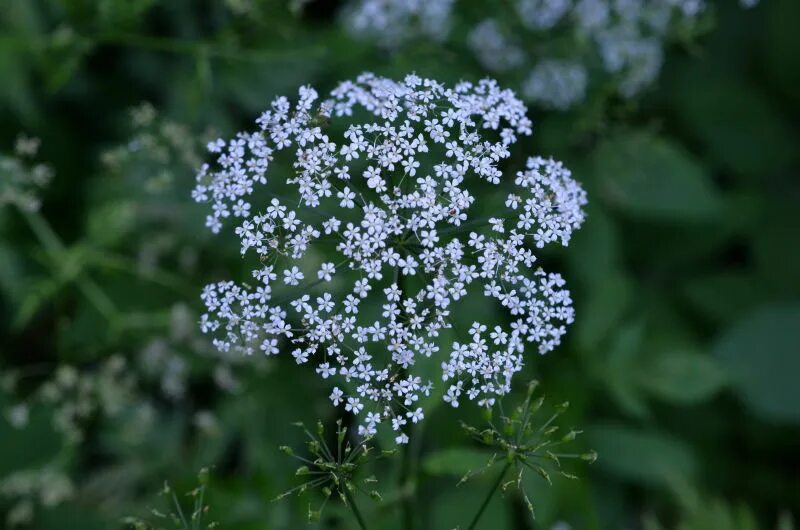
x,y
292,276
416,415
373,177
353,405
326,271
336,396
497,224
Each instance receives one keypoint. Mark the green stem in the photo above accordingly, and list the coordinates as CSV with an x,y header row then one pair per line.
x,y
407,502
55,249
488,498
351,503
407,463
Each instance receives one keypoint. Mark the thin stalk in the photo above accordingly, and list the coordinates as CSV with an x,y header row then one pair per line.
x,y
55,248
198,515
488,498
407,502
179,511
407,463
351,503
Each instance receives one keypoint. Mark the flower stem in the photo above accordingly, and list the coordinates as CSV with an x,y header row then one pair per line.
x,y
351,503
406,484
407,464
488,498
56,250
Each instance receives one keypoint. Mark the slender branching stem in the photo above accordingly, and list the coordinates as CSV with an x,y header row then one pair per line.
x,y
351,503
56,250
406,480
488,498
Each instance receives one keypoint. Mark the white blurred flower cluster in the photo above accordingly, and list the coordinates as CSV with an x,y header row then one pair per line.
x,y
623,38
151,165
28,488
156,147
387,202
165,358
393,22
556,84
554,47
21,178
77,396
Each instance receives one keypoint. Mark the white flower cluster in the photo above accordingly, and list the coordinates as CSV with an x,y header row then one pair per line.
x,y
626,37
78,395
401,176
393,22
556,84
27,488
21,180
163,358
546,43
492,47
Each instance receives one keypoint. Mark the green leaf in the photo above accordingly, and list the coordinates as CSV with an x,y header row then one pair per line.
x,y
39,293
112,222
682,377
617,372
778,260
735,121
455,461
641,456
719,516
594,251
603,309
725,297
649,177
762,355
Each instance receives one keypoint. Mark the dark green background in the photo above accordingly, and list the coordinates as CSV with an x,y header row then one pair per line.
x,y
682,367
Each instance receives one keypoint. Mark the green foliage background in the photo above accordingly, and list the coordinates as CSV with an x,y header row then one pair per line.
x,y
682,367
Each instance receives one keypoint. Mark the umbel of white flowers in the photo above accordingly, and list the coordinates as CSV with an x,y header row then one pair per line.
x,y
404,251
624,38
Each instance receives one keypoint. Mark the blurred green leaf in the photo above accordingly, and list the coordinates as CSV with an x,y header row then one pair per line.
x,y
762,355
110,223
682,377
619,369
710,514
455,461
723,297
777,259
605,306
594,251
641,456
719,515
38,294
650,177
714,105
